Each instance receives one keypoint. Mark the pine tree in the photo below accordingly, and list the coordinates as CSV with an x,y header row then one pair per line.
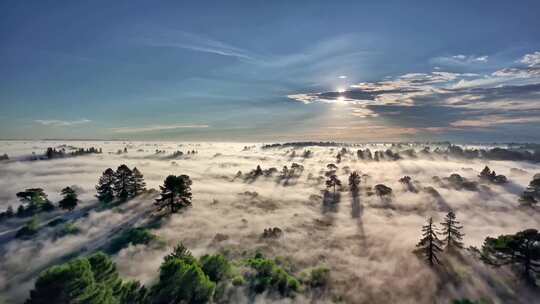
x,y
105,192
139,184
123,182
175,193
354,182
333,182
486,173
430,245
452,232
69,202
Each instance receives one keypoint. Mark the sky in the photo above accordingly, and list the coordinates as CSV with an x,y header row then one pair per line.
x,y
356,71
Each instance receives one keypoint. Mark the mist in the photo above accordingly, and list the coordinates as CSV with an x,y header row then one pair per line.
x,y
366,243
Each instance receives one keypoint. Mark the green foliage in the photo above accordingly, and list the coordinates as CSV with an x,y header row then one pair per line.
x,y
319,277
521,250
68,229
182,253
124,183
30,229
175,193
238,280
72,282
70,200
217,267
134,236
34,200
104,188
269,276
182,282
92,280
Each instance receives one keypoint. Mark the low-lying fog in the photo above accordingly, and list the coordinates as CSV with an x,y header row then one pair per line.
x,y
367,244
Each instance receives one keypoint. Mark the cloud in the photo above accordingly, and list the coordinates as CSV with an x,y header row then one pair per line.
x,y
444,101
157,128
460,59
492,120
61,123
532,60
195,42
365,244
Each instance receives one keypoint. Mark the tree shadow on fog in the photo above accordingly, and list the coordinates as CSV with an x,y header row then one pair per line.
x,y
357,211
330,202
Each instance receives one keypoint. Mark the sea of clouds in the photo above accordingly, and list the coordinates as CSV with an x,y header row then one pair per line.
x,y
367,243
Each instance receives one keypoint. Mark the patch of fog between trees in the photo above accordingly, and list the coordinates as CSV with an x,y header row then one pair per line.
x,y
367,244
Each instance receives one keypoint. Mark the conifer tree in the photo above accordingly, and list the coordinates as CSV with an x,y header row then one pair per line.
x,y
175,193
333,182
429,245
105,192
69,202
139,185
452,232
123,182
354,182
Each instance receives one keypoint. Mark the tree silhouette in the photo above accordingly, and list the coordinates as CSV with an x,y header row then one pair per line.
x,y
175,193
451,232
139,184
123,182
105,192
69,202
35,200
333,182
521,249
429,245
354,182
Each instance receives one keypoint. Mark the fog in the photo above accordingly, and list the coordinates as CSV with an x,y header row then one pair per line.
x,y
366,243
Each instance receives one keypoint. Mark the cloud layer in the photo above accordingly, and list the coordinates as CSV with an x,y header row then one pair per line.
x,y
367,243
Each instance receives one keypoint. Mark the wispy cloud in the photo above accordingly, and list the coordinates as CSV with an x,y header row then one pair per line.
x,y
195,42
460,59
492,120
157,128
61,123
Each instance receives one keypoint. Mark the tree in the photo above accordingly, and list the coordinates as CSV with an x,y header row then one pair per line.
x,y
180,252
138,182
521,250
217,267
123,182
175,193
354,182
35,199
485,173
69,202
104,188
429,245
72,282
92,280
333,182
451,232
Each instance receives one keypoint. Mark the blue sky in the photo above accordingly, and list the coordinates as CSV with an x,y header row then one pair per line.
x,y
270,70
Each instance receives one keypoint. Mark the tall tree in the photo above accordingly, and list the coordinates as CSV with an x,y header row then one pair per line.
x,y
104,188
123,182
175,193
139,184
35,200
333,182
429,245
521,249
354,182
70,200
452,232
